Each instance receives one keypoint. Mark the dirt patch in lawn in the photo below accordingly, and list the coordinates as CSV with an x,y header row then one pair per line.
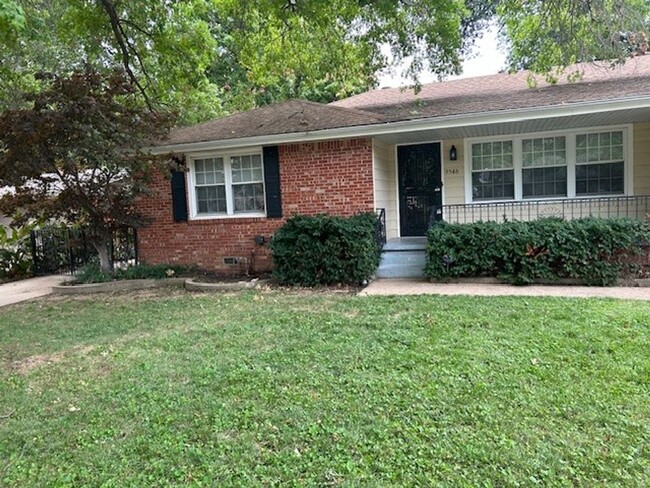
x,y
24,366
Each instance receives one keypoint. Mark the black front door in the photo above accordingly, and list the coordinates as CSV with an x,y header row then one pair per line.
x,y
420,187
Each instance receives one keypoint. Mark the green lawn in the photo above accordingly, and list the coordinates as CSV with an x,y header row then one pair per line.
x,y
289,389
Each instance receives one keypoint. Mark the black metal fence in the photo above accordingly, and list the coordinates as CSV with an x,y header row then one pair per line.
x,y
637,207
57,250
380,230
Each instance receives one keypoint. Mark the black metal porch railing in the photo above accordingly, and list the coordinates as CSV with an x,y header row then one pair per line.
x,y
636,207
65,250
380,229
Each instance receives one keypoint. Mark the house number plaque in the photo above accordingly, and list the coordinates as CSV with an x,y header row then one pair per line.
x,y
453,171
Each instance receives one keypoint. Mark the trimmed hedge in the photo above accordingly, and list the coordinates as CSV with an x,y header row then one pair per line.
x,y
325,250
595,250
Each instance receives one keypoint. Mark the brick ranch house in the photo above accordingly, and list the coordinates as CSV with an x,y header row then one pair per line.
x,y
484,148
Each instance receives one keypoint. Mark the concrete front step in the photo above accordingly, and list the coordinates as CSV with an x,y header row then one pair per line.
x,y
402,264
399,271
406,244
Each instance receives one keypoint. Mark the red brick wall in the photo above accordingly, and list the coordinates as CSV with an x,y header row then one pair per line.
x,y
332,177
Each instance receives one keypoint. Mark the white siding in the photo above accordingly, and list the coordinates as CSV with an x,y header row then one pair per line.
x,y
453,173
642,158
384,169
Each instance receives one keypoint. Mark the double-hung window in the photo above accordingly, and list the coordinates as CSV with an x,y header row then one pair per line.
x,y
600,163
493,171
210,183
572,164
227,185
544,167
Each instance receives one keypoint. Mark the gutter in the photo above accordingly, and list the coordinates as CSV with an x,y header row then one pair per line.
x,y
405,126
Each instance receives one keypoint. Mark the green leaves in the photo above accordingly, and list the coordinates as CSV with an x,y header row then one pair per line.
x,y
12,18
547,36
15,253
325,250
207,58
597,251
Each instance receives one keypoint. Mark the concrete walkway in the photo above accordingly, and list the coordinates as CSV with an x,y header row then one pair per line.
x,y
19,291
421,287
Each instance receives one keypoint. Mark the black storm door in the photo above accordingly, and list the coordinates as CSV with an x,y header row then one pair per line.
x,y
420,186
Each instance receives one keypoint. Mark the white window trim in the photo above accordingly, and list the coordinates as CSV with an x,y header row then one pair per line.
x,y
570,134
191,176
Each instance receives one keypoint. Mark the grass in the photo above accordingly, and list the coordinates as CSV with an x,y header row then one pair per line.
x,y
289,389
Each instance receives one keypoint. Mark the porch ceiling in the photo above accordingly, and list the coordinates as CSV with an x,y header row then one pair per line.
x,y
520,127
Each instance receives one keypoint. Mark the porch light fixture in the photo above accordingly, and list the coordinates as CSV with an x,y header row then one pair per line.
x,y
453,154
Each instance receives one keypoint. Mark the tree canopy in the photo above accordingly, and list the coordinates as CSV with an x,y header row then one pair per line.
x,y
211,57
547,36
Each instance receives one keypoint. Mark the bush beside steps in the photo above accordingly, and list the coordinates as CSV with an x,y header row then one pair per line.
x,y
326,250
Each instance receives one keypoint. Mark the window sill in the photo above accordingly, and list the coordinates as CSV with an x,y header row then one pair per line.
x,y
228,217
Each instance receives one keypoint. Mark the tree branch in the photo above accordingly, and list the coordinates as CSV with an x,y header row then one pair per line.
x,y
136,27
124,46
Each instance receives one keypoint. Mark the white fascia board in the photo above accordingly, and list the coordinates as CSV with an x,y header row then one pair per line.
x,y
447,122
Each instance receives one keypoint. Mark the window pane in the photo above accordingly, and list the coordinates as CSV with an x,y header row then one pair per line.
x,y
211,199
545,182
209,171
492,155
476,158
548,151
604,146
493,185
592,140
600,179
246,168
248,198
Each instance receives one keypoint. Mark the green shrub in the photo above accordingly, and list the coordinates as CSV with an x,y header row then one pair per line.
x,y
15,251
92,273
325,250
595,250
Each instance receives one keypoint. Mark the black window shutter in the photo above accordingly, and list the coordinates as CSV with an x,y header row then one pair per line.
x,y
272,182
179,198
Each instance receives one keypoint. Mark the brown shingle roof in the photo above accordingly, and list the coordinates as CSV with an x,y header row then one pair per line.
x,y
467,96
506,92
280,118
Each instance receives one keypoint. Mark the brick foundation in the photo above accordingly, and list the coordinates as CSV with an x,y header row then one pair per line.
x,y
333,177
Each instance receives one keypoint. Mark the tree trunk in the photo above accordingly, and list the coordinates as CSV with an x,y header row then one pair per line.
x,y
105,262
